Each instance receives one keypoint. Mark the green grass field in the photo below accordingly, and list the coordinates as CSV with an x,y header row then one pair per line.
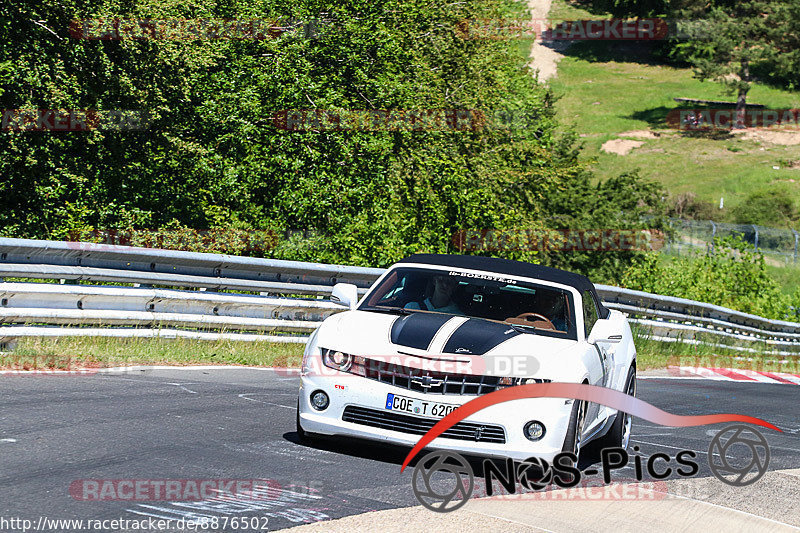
x,y
607,89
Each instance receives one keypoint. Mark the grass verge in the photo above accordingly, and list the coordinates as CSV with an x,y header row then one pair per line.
x,y
72,353
654,355
69,353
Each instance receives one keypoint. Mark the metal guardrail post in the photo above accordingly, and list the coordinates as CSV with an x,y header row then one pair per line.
x,y
713,235
669,241
755,228
796,236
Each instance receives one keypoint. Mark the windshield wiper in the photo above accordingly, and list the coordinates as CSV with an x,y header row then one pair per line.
x,y
391,310
522,329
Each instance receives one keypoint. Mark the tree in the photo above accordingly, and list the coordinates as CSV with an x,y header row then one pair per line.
x,y
212,156
740,42
633,8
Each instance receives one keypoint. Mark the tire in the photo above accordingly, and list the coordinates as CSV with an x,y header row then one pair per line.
x,y
572,442
619,434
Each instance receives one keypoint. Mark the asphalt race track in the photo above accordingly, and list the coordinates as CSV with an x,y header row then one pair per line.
x,y
238,424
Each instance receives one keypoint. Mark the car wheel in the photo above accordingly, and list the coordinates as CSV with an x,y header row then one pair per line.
x,y
619,435
302,435
572,442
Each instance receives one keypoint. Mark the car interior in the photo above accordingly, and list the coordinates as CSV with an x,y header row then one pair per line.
x,y
525,306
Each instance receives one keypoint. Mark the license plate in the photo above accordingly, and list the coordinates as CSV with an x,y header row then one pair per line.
x,y
413,406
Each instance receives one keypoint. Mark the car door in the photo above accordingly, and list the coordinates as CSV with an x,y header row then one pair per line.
x,y
598,359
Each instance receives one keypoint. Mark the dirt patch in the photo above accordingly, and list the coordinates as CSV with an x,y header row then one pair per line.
x,y
782,137
545,58
641,134
620,146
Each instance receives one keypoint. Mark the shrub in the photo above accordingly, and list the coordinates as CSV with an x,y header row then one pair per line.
x,y
731,276
767,207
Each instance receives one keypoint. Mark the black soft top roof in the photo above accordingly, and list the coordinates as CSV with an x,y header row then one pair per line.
x,y
511,268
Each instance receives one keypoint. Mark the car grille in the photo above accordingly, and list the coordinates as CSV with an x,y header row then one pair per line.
x,y
435,382
419,426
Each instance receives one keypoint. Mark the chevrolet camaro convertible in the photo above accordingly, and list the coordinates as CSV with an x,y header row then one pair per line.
x,y
436,331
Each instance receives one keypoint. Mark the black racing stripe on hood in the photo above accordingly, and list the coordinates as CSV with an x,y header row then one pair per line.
x,y
476,337
417,329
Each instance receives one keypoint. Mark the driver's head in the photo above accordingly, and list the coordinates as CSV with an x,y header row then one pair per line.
x,y
444,285
548,300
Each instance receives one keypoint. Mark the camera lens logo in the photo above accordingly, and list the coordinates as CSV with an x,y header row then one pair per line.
x,y
444,471
738,455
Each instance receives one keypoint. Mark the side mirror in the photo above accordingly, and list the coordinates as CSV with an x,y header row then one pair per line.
x,y
345,294
600,333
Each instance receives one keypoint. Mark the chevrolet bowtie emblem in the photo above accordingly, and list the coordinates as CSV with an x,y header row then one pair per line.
x,y
427,381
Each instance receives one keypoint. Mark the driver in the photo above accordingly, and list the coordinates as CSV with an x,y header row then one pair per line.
x,y
442,299
551,305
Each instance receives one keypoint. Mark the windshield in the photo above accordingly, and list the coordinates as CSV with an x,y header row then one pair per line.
x,y
527,306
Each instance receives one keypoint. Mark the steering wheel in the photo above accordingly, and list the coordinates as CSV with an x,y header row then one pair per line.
x,y
527,317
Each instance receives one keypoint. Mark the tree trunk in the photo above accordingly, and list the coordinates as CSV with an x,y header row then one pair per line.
x,y
741,101
741,109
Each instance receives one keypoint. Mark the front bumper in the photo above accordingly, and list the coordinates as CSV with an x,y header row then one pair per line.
x,y
349,390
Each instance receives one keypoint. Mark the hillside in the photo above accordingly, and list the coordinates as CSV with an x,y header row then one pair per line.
x,y
617,96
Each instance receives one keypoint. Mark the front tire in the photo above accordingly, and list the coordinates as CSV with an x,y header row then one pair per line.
x,y
619,435
573,440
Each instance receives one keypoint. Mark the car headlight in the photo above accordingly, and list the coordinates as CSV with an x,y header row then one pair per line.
x,y
343,362
337,360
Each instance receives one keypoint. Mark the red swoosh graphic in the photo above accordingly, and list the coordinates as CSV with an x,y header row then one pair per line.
x,y
590,393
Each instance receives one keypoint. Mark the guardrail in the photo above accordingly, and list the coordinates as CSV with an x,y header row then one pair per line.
x,y
182,294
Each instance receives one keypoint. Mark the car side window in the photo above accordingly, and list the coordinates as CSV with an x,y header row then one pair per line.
x,y
590,314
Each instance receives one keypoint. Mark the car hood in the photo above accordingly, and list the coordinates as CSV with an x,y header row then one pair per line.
x,y
431,334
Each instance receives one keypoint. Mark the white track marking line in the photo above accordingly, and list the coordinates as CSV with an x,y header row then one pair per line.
x,y
184,388
245,397
697,378
116,369
668,446
8,440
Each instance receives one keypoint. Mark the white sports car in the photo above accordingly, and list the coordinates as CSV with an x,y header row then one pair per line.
x,y
436,331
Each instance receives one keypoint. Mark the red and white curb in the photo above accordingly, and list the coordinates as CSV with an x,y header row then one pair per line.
x,y
142,368
734,374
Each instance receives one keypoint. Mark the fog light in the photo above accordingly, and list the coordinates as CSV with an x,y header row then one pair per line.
x,y
319,400
533,430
